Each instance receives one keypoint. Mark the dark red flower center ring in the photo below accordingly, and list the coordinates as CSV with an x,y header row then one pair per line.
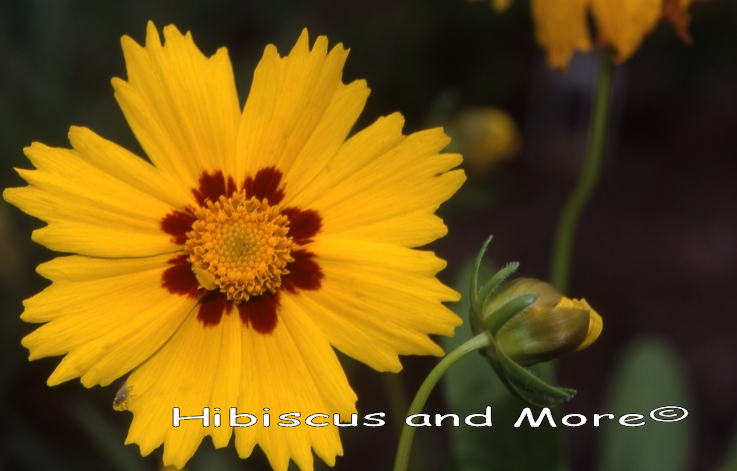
x,y
240,249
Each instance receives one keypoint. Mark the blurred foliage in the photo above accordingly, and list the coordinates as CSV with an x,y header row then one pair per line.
x,y
650,376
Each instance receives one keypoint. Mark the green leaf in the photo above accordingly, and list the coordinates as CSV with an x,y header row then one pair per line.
x,y
508,310
473,282
730,461
650,376
107,439
531,388
471,385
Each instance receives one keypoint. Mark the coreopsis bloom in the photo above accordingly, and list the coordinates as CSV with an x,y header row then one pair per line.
x,y
561,26
223,273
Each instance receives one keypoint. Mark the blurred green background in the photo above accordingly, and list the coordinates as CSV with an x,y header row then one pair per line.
x,y
657,248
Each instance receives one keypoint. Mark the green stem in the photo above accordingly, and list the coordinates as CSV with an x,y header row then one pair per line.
x,y
408,433
565,233
397,398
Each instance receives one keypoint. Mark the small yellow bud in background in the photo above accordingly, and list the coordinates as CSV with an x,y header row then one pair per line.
x,y
497,5
500,5
486,137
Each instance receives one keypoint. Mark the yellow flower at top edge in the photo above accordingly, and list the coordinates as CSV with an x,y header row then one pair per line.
x,y
223,274
561,26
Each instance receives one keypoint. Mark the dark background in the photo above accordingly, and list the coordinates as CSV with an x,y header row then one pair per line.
x,y
657,247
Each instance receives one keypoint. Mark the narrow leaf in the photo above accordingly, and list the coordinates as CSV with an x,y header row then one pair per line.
x,y
493,284
649,378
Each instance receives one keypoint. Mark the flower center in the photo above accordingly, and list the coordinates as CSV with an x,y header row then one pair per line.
x,y
239,246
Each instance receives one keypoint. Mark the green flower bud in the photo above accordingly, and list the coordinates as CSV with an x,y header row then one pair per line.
x,y
527,321
550,327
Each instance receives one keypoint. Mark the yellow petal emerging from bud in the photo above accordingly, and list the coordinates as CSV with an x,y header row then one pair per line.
x,y
596,324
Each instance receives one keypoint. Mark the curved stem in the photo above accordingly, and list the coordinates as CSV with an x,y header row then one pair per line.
x,y
565,233
408,433
397,397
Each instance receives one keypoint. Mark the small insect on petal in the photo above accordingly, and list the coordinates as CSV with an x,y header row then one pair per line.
x,y
205,279
120,402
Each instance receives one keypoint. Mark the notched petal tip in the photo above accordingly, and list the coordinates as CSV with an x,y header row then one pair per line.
x,y
27,343
302,45
9,194
35,148
172,34
454,296
436,350
153,38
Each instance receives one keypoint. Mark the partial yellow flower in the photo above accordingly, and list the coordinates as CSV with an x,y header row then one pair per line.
x,y
223,274
676,11
561,26
624,24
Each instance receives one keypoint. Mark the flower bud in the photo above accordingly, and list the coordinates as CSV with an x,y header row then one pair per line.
x,y
550,327
524,322
486,137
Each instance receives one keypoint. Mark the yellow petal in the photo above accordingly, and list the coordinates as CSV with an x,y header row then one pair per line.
x,y
88,210
625,23
414,178
298,111
182,106
108,316
596,325
229,365
128,167
292,370
561,28
199,367
676,12
378,301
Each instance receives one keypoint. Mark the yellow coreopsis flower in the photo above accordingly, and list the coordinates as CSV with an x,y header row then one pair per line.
x,y
223,274
561,25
